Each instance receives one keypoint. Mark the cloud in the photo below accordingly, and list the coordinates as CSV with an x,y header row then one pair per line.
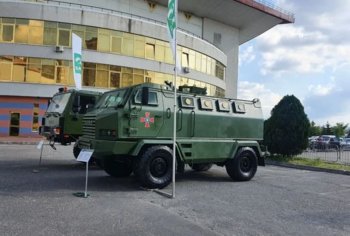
x,y
309,59
330,102
321,90
290,49
247,55
316,42
249,90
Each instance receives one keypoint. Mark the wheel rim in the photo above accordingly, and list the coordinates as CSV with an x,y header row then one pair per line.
x,y
245,164
158,167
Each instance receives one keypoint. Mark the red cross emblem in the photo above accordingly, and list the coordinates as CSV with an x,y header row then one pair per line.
x,y
147,119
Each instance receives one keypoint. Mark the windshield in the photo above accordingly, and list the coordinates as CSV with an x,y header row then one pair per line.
x,y
111,99
59,102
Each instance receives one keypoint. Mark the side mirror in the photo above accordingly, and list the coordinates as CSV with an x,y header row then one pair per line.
x,y
144,95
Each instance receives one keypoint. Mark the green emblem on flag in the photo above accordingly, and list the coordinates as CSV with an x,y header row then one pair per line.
x,y
171,17
77,63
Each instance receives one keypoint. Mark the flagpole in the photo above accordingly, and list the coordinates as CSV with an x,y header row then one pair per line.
x,y
175,101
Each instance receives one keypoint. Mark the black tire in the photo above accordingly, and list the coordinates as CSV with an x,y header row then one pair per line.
x,y
154,167
243,166
201,167
76,151
117,168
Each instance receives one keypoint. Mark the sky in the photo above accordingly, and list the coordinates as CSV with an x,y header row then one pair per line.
x,y
309,59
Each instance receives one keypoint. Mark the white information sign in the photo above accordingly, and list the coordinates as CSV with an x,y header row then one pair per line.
x,y
40,144
85,155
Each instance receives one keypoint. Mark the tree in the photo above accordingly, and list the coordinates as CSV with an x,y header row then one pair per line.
x,y
339,129
327,129
286,131
314,130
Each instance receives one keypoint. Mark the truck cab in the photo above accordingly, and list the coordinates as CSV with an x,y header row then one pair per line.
x,y
62,121
131,130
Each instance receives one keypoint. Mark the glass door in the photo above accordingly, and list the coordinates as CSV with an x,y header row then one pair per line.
x,y
15,123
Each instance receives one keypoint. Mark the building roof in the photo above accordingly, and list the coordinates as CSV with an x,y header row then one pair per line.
x,y
251,17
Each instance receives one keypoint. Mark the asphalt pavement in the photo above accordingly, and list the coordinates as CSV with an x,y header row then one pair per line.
x,y
278,201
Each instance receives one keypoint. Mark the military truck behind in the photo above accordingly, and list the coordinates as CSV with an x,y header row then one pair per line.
x,y
62,121
131,130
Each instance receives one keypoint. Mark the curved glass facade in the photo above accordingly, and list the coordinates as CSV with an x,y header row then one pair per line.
x,y
50,71
37,32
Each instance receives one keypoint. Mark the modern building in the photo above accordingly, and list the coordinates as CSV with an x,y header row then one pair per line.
x,y
125,42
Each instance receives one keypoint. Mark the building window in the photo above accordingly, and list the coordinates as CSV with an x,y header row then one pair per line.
x,y
116,45
19,69
89,74
7,33
35,126
5,68
91,38
150,51
184,59
50,33
21,31
36,32
139,46
64,37
114,80
220,71
103,40
48,71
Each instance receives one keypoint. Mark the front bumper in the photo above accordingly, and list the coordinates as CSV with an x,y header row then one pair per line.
x,y
106,148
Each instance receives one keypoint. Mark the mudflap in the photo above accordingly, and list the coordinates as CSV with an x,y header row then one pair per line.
x,y
261,161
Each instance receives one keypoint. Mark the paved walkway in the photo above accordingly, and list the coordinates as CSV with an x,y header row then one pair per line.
x,y
20,140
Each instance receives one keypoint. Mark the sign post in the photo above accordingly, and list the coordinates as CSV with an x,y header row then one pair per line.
x,y
172,27
84,156
40,146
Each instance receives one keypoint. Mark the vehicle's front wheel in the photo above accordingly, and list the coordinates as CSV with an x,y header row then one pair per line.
x,y
117,168
76,150
243,166
154,167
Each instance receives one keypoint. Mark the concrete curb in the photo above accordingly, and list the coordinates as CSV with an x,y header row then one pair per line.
x,y
19,143
310,168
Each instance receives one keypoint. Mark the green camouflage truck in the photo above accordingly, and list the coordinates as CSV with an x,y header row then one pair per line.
x,y
131,130
62,121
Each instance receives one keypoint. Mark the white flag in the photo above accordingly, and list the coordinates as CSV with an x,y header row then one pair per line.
x,y
77,64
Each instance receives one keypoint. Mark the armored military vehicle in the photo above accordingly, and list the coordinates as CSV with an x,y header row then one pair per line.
x,y
131,130
62,121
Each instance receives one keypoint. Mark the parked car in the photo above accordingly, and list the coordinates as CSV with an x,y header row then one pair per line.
x,y
327,142
345,144
312,142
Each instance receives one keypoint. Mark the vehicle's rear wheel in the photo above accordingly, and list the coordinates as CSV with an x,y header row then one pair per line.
x,y
201,167
117,168
76,150
243,166
154,167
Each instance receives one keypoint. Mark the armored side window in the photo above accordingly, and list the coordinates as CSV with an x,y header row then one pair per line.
x,y
238,107
206,104
223,106
186,102
152,98
84,102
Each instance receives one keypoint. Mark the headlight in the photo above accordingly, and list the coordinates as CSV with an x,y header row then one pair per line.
x,y
108,132
57,131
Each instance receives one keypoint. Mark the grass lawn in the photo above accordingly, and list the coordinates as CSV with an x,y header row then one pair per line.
x,y
309,162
